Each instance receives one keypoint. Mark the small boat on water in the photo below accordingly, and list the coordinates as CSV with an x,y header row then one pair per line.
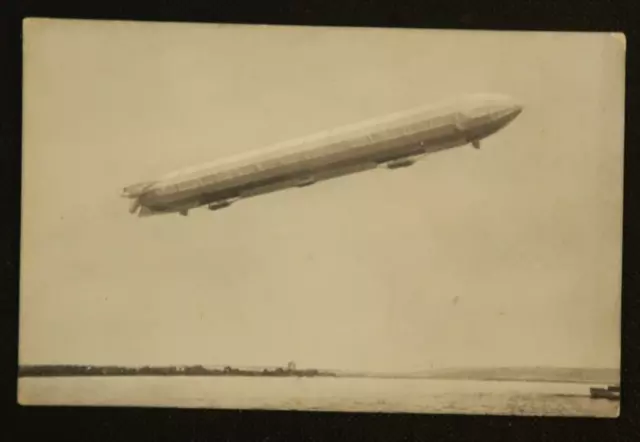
x,y
611,393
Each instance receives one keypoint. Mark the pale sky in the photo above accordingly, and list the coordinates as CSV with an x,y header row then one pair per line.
x,y
509,255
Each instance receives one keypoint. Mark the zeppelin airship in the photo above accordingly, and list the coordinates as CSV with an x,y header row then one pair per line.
x,y
393,141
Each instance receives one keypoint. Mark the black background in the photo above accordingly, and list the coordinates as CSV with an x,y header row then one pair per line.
x,y
114,424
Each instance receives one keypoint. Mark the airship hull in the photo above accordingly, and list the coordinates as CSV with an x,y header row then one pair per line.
x,y
395,141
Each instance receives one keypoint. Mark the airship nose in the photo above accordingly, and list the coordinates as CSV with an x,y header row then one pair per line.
x,y
501,109
509,110
516,109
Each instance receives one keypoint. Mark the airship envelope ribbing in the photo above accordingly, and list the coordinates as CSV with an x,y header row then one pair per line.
x,y
393,141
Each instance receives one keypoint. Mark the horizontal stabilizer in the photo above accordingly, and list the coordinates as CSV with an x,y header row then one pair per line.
x,y
135,190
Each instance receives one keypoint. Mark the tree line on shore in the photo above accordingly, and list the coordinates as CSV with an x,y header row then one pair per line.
x,y
114,370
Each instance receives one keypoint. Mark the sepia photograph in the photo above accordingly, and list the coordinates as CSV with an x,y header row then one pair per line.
x,y
226,216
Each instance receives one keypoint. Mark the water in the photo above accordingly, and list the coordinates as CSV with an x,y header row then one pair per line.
x,y
333,394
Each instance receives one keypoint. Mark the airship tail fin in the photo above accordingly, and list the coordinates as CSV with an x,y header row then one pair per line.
x,y
145,211
134,206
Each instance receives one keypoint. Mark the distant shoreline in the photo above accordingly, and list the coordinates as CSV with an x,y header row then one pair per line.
x,y
547,375
195,370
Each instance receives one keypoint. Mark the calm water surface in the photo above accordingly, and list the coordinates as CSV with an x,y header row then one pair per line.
x,y
339,394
